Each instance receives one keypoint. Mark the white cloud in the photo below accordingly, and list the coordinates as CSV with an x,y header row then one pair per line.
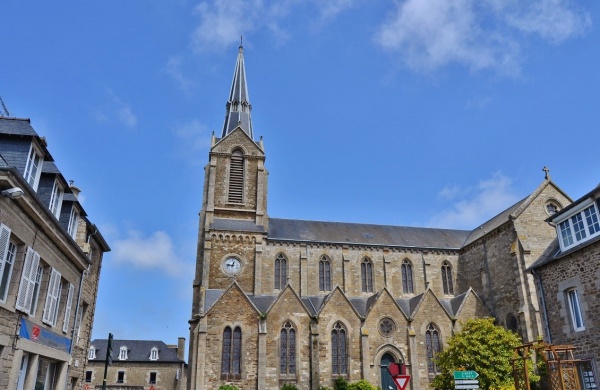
x,y
478,34
121,110
478,204
194,136
173,68
222,22
153,252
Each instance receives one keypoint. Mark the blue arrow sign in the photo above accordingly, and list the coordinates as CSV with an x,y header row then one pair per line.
x,y
465,374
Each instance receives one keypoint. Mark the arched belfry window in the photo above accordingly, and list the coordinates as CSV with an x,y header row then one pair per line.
x,y
432,341
280,272
231,357
339,351
287,350
447,278
407,277
236,177
324,274
366,273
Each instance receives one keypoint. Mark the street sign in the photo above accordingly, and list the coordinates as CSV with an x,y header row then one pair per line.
x,y
466,386
466,382
465,375
401,381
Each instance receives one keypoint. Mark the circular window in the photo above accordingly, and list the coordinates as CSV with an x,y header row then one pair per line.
x,y
552,207
387,327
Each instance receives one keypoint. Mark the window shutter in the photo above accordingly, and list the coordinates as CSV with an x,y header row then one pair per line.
x,y
68,308
27,284
236,177
4,241
52,298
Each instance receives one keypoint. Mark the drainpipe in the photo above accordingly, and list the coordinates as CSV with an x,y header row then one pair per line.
x,y
538,278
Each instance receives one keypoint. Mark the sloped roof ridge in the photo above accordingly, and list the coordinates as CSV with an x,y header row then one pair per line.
x,y
368,224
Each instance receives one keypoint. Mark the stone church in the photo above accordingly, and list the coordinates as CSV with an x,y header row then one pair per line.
x,y
304,302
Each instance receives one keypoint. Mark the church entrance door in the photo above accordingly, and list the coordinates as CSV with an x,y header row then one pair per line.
x,y
387,383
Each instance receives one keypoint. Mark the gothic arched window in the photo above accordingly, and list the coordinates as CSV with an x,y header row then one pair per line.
x,y
280,272
324,274
287,350
407,277
236,177
432,341
339,352
231,353
366,273
447,278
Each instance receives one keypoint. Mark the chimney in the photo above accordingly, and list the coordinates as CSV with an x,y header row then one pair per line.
x,y
181,347
74,188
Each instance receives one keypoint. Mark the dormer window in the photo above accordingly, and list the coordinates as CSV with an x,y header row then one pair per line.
x,y
33,169
92,353
123,353
56,199
579,227
154,353
73,221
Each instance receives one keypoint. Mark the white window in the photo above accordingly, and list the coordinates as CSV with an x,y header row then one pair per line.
x,y
30,282
123,353
8,251
52,298
92,353
154,353
575,309
579,228
33,169
56,199
73,220
68,308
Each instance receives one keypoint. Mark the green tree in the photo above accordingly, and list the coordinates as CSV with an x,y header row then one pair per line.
x,y
361,385
483,347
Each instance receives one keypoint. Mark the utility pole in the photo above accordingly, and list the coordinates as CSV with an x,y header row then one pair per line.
x,y
108,359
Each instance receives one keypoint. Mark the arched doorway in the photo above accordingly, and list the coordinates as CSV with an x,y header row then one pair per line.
x,y
387,383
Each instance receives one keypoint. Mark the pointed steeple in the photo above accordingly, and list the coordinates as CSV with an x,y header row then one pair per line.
x,y
238,106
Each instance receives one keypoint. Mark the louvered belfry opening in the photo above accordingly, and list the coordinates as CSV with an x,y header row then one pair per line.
x,y
236,177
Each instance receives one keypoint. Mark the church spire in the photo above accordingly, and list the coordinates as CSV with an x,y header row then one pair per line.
x,y
238,107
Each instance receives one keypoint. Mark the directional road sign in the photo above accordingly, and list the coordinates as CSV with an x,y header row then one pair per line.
x,y
465,375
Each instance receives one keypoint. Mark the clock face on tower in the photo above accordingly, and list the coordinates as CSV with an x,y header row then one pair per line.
x,y
232,265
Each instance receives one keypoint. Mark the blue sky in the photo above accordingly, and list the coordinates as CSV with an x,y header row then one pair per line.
x,y
415,112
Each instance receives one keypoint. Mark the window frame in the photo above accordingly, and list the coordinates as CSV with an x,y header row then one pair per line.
x,y
447,282
30,282
68,307
567,226
366,273
89,375
575,310
120,376
408,286
324,274
339,353
73,222
92,353
280,271
33,167
52,303
154,354
150,380
287,351
8,252
56,198
231,353
433,347
123,352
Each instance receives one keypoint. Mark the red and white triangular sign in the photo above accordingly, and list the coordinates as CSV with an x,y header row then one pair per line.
x,y
401,381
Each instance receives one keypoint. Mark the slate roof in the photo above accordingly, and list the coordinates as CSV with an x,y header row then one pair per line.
x,y
365,234
238,96
233,225
493,223
16,126
137,351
